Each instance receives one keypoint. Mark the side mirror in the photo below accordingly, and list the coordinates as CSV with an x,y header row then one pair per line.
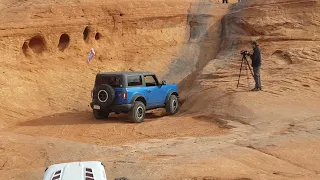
x,y
163,82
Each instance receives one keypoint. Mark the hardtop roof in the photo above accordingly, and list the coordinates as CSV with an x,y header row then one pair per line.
x,y
127,73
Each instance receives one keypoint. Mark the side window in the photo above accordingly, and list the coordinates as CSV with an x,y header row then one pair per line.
x,y
134,81
150,81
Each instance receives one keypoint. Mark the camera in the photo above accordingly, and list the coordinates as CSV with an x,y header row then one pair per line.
x,y
245,53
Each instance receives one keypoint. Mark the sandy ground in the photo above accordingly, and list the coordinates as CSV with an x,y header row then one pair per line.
x,y
220,133
81,126
275,141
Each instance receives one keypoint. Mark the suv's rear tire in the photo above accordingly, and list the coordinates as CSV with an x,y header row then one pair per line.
x,y
138,112
172,105
99,114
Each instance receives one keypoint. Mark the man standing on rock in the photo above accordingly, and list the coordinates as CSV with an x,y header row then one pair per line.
x,y
256,64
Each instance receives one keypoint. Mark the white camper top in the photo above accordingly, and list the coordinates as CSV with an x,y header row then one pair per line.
x,y
87,170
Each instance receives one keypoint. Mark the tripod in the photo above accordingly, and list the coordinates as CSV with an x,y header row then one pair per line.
x,y
244,60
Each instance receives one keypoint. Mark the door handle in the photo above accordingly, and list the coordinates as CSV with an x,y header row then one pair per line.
x,y
148,91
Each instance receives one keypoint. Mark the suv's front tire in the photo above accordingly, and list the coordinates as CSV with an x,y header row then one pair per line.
x,y
99,114
172,105
138,112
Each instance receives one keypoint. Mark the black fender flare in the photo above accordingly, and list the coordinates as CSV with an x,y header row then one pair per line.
x,y
135,97
169,94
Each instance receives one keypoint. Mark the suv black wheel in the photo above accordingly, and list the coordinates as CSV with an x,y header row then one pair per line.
x,y
172,105
138,112
99,114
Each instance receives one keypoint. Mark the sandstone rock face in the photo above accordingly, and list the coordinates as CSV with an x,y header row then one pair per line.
x,y
274,20
272,134
44,47
288,32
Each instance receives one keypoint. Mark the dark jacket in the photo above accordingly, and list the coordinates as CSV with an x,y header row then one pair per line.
x,y
256,57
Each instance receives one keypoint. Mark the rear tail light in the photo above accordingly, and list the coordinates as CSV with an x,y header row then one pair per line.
x,y
124,95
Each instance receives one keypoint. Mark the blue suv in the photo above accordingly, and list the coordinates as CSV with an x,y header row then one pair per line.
x,y
132,93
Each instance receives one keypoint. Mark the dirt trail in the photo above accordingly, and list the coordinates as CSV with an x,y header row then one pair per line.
x,y
82,127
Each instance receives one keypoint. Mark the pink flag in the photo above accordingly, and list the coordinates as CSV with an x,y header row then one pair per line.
x,y
91,55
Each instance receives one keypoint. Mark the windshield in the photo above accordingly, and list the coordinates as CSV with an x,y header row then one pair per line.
x,y
111,80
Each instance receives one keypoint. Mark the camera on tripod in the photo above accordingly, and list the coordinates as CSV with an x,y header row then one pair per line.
x,y
244,61
245,53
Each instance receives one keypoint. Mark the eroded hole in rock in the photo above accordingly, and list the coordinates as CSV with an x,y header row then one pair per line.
x,y
281,58
25,47
37,44
63,42
86,33
121,14
97,36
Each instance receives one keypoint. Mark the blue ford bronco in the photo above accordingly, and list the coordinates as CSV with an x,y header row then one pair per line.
x,y
132,93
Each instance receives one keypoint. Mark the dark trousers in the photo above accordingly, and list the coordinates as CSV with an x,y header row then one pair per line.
x,y
256,75
224,1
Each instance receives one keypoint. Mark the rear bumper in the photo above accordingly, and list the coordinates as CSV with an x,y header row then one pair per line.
x,y
115,108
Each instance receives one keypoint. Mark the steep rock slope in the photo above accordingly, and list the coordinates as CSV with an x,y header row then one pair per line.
x,y
289,36
286,113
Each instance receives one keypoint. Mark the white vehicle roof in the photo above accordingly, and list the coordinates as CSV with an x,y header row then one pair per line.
x,y
88,170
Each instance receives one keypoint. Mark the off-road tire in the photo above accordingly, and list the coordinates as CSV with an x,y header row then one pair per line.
x,y
172,105
99,114
138,112
106,90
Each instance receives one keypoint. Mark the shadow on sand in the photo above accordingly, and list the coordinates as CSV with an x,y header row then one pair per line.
x,y
83,117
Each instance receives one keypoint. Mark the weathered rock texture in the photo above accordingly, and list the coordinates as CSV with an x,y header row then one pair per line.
x,y
272,134
44,47
288,32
